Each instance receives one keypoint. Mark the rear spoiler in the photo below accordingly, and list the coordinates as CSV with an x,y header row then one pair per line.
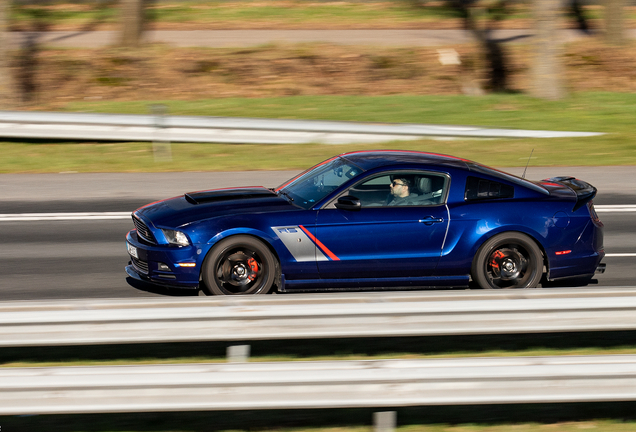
x,y
585,192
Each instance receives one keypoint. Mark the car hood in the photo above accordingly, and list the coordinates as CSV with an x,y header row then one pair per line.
x,y
197,206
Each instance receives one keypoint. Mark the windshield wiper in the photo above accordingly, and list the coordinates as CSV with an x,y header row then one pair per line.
x,y
286,195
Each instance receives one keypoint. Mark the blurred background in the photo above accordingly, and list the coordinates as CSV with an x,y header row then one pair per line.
x,y
557,65
539,64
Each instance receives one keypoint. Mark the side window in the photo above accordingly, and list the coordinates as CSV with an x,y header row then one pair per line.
x,y
479,189
404,188
373,192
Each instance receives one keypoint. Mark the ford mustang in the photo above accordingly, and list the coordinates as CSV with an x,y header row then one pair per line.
x,y
372,220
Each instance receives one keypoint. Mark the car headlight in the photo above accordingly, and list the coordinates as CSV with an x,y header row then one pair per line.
x,y
176,237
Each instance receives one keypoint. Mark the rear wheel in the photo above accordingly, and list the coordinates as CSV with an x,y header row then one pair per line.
x,y
239,265
508,260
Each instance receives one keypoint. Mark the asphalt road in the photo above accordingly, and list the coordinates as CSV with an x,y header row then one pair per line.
x,y
85,258
241,38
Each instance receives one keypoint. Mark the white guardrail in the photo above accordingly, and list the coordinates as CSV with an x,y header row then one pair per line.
x,y
336,384
289,316
162,128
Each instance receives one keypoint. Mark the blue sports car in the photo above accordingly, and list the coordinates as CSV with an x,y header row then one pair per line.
x,y
372,220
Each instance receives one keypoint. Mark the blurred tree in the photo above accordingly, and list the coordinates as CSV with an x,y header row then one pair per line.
x,y
614,21
27,60
6,79
547,69
132,22
577,12
480,18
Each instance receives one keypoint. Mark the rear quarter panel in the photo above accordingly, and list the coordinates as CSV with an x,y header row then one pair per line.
x,y
473,222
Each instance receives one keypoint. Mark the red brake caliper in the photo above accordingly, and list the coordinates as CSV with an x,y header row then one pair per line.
x,y
253,267
497,255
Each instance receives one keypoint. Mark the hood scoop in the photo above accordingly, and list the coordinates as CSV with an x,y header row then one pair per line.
x,y
228,194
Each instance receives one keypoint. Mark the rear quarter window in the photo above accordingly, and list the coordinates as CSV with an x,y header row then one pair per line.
x,y
480,189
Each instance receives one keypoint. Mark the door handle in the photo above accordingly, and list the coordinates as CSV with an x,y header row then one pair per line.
x,y
430,220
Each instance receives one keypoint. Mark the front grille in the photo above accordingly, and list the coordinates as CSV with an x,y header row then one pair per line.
x,y
140,265
143,231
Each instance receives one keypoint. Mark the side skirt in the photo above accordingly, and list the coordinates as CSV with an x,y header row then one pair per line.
x,y
378,284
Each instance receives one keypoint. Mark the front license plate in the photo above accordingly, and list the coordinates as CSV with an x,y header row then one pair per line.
x,y
132,250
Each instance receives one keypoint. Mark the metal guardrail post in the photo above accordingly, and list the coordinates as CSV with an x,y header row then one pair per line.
x,y
161,147
238,353
384,421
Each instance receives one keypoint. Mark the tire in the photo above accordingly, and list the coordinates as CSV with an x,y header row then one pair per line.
x,y
239,265
508,260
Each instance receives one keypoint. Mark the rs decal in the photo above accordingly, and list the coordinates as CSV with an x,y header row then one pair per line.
x,y
320,245
302,245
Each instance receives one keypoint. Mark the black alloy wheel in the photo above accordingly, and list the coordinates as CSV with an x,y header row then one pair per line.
x,y
239,265
508,260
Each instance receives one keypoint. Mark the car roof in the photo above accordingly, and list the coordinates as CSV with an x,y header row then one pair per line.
x,y
368,160
373,159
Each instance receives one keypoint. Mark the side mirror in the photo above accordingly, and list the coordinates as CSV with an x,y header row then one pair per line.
x,y
348,202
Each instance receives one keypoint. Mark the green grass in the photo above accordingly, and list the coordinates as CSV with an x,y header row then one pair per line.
x,y
611,113
592,343
249,14
601,112
275,14
295,12
82,16
336,357
292,421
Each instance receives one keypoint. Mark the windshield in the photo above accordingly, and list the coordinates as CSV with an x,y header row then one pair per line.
x,y
318,182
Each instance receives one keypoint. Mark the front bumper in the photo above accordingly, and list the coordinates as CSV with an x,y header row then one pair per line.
x,y
160,264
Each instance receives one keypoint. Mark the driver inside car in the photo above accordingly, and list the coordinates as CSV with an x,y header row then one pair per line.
x,y
400,192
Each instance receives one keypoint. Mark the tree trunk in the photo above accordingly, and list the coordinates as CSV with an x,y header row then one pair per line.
x,y
6,79
132,22
614,21
576,9
547,68
493,52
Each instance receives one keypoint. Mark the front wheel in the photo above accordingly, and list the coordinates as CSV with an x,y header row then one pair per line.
x,y
508,260
239,265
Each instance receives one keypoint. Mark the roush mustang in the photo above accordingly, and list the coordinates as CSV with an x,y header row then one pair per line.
x,y
372,220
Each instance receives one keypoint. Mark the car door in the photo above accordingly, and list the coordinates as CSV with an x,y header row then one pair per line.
x,y
380,240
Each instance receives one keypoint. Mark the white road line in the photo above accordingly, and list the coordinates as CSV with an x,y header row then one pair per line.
x,y
30,217
612,255
614,208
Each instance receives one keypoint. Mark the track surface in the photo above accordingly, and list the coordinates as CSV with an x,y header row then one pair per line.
x,y
85,259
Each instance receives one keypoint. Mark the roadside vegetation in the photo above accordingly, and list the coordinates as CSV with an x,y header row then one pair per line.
x,y
586,343
277,14
346,420
315,81
326,82
610,113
